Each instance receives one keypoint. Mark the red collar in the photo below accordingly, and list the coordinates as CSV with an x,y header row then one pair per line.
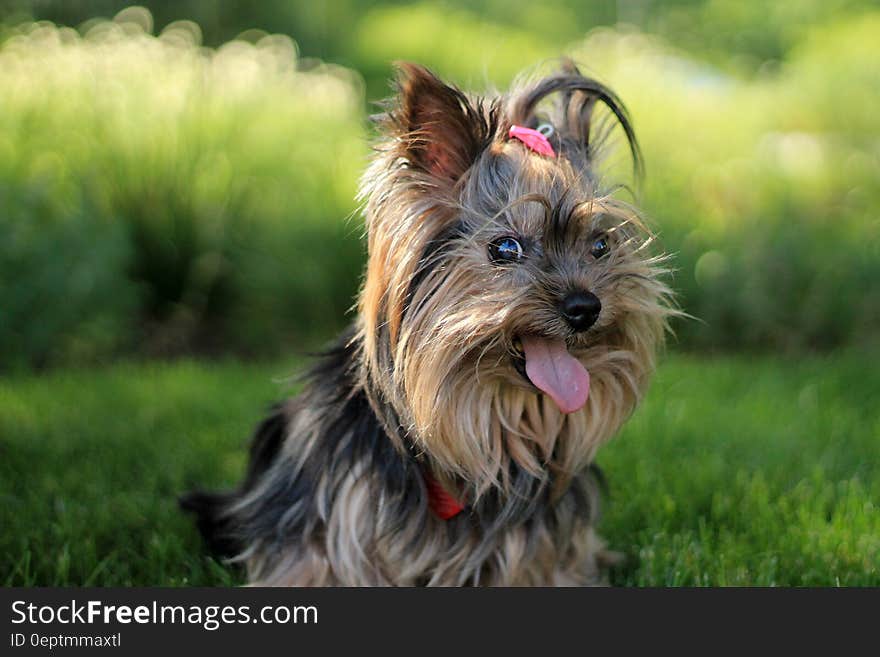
x,y
444,505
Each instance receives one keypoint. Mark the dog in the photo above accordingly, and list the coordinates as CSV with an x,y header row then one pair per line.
x,y
508,324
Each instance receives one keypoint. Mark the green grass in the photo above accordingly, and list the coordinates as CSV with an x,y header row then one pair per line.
x,y
734,471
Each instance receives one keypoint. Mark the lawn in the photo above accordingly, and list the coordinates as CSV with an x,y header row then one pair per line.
x,y
735,471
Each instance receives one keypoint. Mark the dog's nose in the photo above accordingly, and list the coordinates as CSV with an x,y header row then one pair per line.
x,y
581,310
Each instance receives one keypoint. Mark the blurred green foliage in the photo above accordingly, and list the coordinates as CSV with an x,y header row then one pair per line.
x,y
163,198
741,35
158,196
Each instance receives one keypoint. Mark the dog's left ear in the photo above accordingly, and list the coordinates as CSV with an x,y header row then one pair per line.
x,y
441,131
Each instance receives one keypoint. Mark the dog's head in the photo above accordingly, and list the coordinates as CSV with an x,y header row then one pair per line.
x,y
511,309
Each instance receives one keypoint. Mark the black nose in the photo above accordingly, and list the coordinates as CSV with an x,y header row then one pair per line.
x,y
581,310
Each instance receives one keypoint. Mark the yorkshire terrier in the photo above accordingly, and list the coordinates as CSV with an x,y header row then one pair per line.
x,y
507,326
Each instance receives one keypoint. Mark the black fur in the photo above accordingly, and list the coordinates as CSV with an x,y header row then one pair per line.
x,y
351,433
285,509
213,523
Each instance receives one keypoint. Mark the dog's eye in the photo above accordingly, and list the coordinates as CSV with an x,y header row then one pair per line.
x,y
600,248
504,250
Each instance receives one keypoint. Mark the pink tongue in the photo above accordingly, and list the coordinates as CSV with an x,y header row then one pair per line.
x,y
556,372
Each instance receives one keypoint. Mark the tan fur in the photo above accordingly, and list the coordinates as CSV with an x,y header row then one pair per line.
x,y
462,403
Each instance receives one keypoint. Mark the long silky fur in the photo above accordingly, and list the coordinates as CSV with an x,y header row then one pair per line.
x,y
422,382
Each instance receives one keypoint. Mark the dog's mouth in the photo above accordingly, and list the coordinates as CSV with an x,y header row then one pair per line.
x,y
547,364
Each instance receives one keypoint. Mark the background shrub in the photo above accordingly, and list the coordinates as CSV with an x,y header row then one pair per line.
x,y
165,198
162,197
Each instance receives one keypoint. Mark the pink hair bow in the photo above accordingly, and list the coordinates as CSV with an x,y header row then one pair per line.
x,y
533,139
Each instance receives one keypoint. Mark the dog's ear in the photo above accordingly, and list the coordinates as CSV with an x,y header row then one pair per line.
x,y
440,130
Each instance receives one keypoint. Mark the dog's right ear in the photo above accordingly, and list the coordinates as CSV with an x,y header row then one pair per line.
x,y
439,130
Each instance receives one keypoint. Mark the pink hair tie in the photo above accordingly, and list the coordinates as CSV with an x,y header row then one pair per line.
x,y
533,139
